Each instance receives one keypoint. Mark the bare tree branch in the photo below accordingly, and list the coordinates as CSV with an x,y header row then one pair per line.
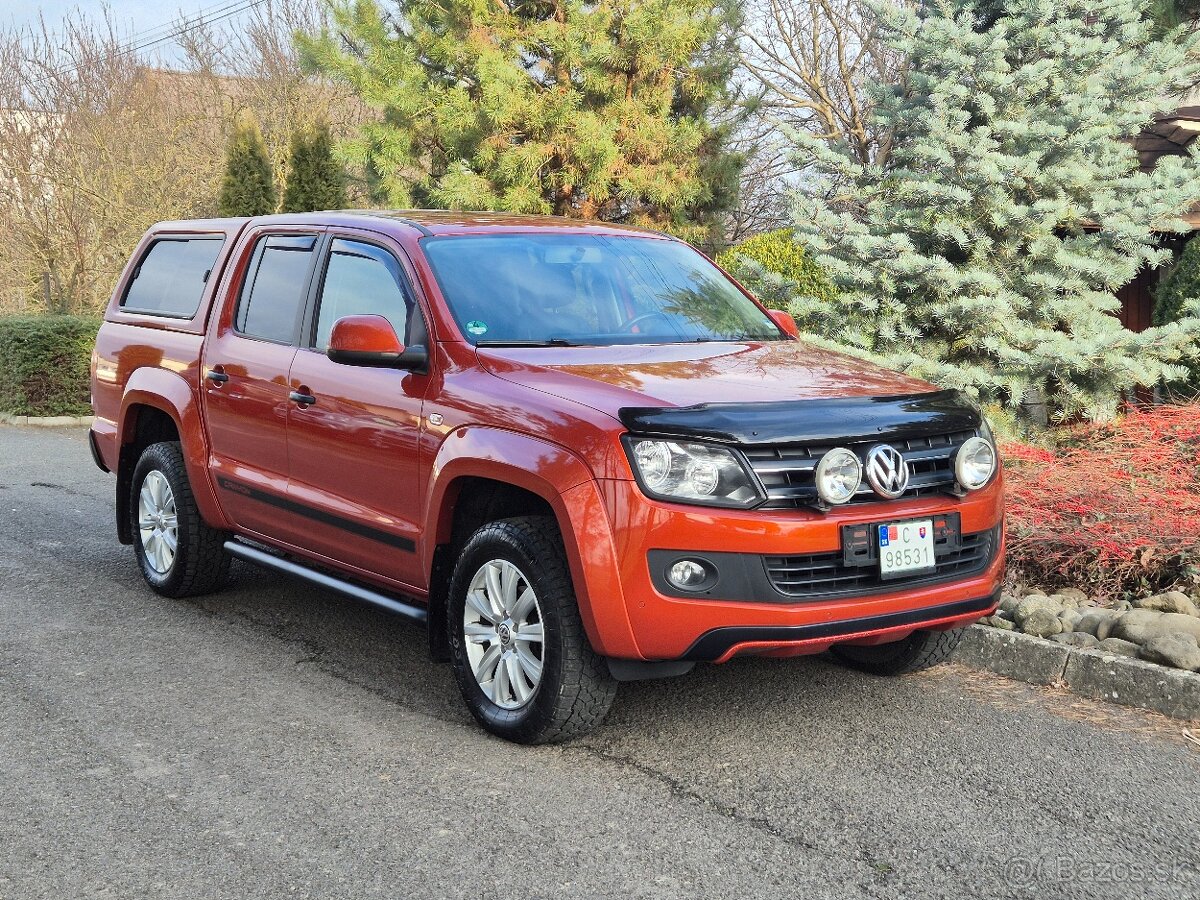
x,y
813,59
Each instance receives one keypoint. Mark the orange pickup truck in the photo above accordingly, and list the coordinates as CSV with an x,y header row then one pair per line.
x,y
581,452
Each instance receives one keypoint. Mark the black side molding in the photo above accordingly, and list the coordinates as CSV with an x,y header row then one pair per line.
x,y
714,644
317,515
841,420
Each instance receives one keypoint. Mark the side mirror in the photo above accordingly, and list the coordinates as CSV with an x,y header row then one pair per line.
x,y
372,341
785,321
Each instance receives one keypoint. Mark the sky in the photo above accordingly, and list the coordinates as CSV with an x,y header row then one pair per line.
x,y
151,18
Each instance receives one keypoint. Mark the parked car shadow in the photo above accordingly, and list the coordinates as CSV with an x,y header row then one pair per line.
x,y
388,655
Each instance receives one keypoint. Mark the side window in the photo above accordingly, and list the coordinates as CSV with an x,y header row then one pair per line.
x,y
274,291
362,279
170,279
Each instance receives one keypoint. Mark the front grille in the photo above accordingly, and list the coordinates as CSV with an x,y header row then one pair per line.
x,y
786,471
820,576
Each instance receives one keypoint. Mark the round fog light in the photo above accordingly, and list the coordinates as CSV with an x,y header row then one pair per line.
x,y
975,463
687,574
838,475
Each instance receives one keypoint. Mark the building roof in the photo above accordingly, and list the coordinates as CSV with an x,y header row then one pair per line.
x,y
1170,134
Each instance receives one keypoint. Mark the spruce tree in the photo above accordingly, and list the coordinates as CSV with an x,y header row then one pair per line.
x,y
985,256
248,188
595,109
315,180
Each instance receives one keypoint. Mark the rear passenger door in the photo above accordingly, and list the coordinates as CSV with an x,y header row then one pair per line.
x,y
353,452
247,357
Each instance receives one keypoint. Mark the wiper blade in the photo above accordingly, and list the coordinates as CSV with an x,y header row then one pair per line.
x,y
550,342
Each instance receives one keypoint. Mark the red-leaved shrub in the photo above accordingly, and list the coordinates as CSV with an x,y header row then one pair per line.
x,y
1115,510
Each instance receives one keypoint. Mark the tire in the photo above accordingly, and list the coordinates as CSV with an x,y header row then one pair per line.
x,y
920,650
574,689
199,563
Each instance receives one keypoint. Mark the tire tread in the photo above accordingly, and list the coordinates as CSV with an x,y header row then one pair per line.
x,y
205,562
920,650
586,689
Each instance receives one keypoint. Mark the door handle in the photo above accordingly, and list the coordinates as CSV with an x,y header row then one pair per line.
x,y
302,399
217,375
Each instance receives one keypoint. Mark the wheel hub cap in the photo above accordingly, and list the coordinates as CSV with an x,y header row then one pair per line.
x,y
502,630
158,522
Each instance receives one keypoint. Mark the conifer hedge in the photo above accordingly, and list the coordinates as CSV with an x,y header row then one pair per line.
x,y
1181,285
315,180
248,188
44,363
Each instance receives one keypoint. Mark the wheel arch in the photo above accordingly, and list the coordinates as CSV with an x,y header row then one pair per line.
x,y
159,405
482,474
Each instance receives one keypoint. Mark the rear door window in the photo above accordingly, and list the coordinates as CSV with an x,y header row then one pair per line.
x,y
170,279
275,288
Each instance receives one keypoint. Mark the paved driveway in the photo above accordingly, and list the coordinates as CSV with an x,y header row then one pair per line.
x,y
278,741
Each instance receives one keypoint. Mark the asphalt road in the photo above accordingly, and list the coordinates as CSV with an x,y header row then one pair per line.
x,y
278,741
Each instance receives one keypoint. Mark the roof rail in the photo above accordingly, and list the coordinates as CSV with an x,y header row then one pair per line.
x,y
417,225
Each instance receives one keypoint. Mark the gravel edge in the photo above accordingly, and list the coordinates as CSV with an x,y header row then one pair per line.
x,y
1094,674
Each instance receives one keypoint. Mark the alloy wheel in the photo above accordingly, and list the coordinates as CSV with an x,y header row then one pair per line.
x,y
502,629
158,522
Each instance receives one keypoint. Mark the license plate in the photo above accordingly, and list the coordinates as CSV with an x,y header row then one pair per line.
x,y
906,548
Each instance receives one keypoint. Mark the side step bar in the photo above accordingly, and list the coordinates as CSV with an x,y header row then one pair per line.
x,y
358,592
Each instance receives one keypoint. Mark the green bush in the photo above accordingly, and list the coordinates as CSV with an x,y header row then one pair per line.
x,y
44,364
1181,285
780,255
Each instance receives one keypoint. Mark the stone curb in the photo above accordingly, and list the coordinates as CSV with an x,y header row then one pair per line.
x,y
1089,673
44,421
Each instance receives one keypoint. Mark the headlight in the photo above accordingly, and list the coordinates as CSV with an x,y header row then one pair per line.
x,y
839,473
975,463
692,473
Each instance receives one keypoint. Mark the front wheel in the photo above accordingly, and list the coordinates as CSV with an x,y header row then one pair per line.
x,y
920,650
517,645
178,554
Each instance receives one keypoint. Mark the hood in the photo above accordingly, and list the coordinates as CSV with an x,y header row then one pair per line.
x,y
682,375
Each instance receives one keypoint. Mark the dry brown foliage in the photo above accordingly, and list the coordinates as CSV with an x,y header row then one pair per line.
x,y
98,142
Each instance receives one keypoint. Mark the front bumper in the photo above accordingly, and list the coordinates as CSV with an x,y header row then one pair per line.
x,y
715,627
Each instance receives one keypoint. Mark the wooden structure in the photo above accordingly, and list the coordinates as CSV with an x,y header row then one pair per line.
x,y
1171,134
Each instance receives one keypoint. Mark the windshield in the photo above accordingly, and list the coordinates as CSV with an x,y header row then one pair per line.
x,y
589,289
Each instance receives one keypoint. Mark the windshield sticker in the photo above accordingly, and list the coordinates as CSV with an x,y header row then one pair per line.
x,y
476,327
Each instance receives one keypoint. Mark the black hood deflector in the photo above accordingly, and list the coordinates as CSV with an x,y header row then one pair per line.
x,y
843,420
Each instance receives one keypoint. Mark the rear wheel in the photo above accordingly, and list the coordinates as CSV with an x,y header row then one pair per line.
x,y
517,645
920,650
178,554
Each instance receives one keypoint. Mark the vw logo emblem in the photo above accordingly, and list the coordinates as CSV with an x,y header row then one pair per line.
x,y
887,471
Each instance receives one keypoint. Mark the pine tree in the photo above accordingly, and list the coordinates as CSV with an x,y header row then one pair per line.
x,y
986,255
315,180
248,188
595,109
